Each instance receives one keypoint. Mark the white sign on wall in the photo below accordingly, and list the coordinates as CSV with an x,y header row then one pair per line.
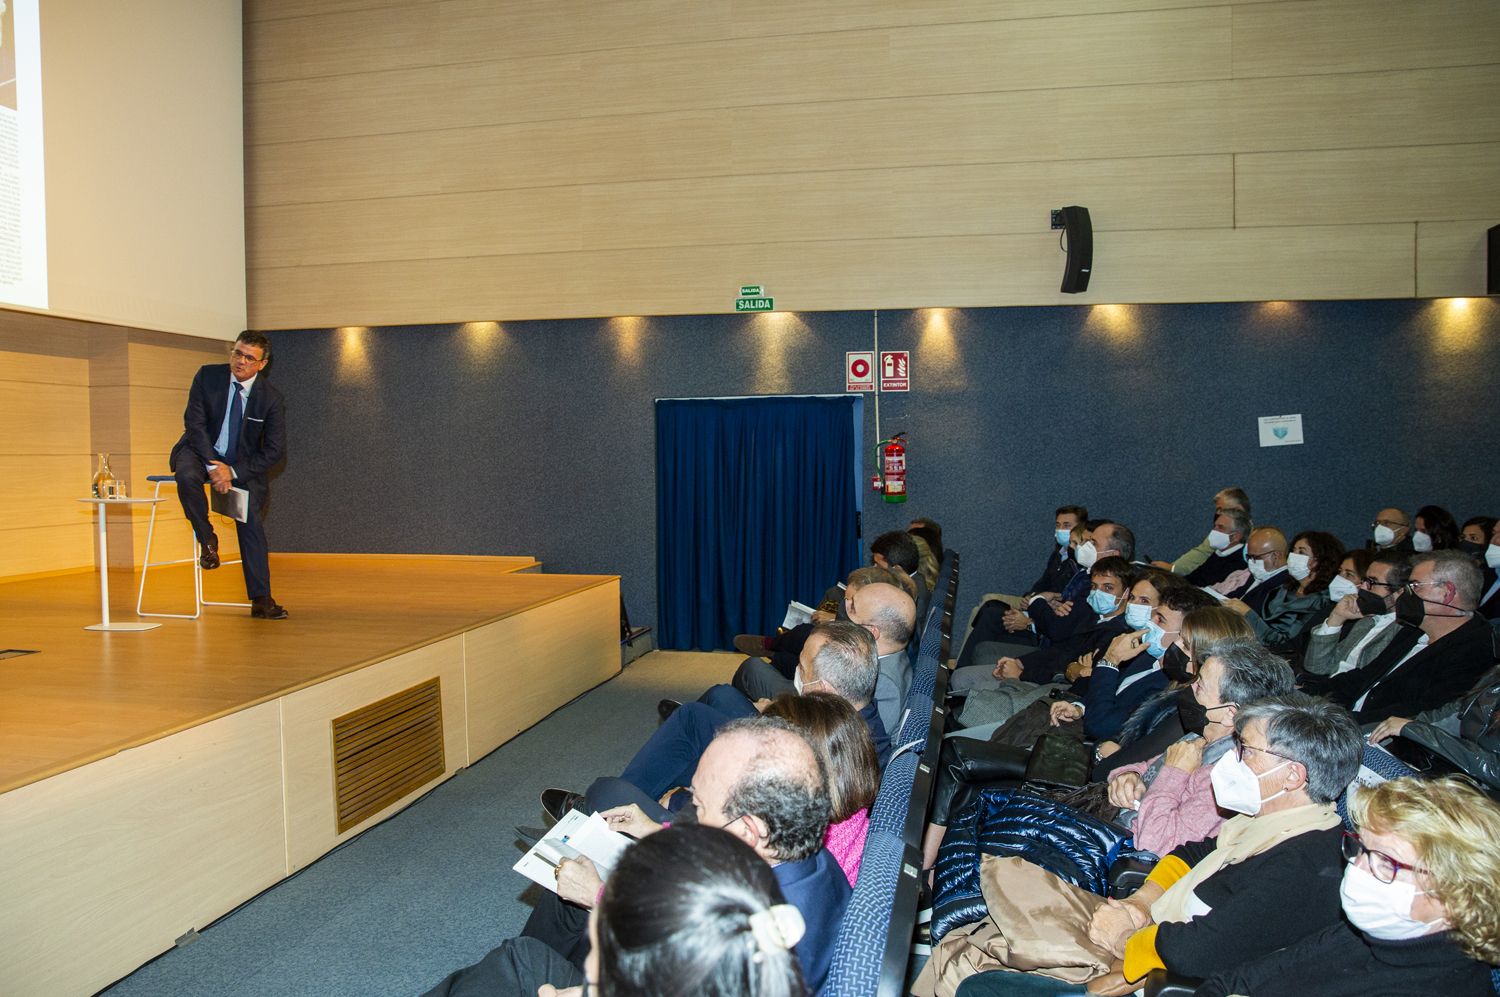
x,y
859,371
1280,430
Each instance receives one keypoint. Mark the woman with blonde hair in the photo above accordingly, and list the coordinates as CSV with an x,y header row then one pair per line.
x,y
1421,897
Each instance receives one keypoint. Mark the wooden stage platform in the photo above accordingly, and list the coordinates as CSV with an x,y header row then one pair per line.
x,y
151,782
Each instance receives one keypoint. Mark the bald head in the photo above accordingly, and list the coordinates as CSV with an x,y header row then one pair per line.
x,y
888,612
760,780
1269,545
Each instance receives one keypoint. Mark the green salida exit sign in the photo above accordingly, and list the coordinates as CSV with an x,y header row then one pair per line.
x,y
753,298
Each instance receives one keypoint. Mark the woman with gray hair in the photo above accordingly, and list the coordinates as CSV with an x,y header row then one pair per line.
x,y
1210,905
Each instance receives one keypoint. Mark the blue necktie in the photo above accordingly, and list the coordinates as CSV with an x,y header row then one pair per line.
x,y
236,416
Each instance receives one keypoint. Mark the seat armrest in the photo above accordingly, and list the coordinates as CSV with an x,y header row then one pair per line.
x,y
1162,983
1127,874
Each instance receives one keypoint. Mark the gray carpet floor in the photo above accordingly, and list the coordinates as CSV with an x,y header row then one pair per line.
x,y
398,908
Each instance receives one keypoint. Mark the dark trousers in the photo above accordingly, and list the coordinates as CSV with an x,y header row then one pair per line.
x,y
670,756
989,626
517,966
254,550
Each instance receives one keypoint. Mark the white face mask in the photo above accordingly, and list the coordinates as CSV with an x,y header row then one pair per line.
x,y
1087,555
1258,569
1218,539
1137,616
1299,566
797,681
1492,556
1340,587
1421,542
1383,534
1237,787
1382,910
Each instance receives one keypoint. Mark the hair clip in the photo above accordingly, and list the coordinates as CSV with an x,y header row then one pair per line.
x,y
777,928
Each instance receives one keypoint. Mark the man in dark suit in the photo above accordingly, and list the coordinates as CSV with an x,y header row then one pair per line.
x,y
234,432
1442,650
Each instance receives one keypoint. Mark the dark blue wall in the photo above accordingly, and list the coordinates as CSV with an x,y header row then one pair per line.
x,y
537,437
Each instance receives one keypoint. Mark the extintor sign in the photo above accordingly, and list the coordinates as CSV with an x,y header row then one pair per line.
x,y
895,370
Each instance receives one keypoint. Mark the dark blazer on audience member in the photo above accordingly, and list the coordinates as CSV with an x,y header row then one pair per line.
x,y
1341,961
1440,673
1045,664
1053,628
1489,608
1219,566
1059,571
818,888
1106,707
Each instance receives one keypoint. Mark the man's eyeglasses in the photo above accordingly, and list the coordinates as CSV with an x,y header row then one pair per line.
x,y
1382,866
242,355
1388,523
1375,583
1240,747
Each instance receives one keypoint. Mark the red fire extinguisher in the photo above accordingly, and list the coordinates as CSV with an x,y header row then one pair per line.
x,y
890,462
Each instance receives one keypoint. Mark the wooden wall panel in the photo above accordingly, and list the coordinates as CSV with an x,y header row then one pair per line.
x,y
1451,258
106,865
546,160
38,550
311,818
517,670
1148,192
1366,110
270,10
1434,182
1355,36
950,271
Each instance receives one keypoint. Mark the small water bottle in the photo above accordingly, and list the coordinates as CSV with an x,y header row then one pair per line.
x,y
104,479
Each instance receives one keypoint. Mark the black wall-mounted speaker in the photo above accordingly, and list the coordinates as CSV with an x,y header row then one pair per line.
x,y
1492,284
1080,235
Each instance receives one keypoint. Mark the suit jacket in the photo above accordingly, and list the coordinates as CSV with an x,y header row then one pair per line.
x,y
262,442
1218,567
1325,651
1059,571
1489,608
818,888
891,684
1439,673
1106,706
1052,628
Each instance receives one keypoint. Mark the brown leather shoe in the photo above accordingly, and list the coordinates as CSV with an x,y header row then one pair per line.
x,y
753,645
208,554
266,608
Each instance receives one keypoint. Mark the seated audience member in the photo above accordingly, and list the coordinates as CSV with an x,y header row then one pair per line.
x,y
761,781
1421,903
842,741
929,530
1168,800
783,650
886,611
1433,528
987,623
897,550
1292,607
1362,621
1227,498
1111,579
1268,879
1391,530
1264,571
1227,540
839,657
929,552
1438,654
1489,598
688,910
1475,535
1156,724
1130,671
1054,620
1462,736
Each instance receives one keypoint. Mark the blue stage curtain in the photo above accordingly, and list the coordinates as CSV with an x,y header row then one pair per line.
x,y
755,505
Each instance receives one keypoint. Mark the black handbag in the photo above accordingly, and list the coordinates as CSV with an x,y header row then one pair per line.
x,y
1059,760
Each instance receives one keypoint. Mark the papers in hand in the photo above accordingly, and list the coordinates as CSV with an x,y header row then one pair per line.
x,y
234,503
575,836
796,615
1215,593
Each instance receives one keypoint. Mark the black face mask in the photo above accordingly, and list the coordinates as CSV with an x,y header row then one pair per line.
x,y
1190,712
1410,609
1472,548
1369,603
1176,665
